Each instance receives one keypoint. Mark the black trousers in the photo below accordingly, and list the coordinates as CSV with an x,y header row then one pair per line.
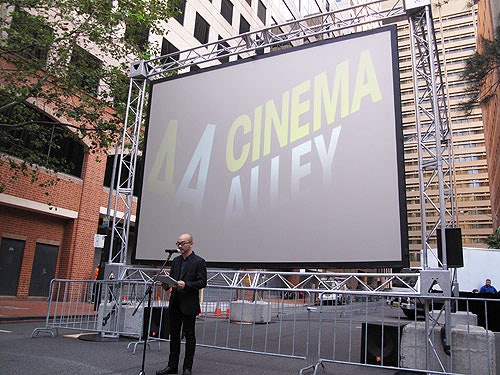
x,y
178,323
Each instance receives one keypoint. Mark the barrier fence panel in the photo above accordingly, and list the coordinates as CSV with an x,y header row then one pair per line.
x,y
255,320
366,328
372,332
110,307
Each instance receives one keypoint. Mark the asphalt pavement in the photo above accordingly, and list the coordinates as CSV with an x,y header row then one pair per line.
x,y
75,353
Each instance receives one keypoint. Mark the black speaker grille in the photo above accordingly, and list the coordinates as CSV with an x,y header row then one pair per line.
x,y
454,250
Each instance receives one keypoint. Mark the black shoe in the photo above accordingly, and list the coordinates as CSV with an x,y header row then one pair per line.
x,y
187,371
167,370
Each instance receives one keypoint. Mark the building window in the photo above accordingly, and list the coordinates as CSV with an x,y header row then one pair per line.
x,y
244,25
226,10
261,12
109,172
137,35
85,70
43,142
30,37
105,8
118,86
222,48
415,257
201,29
168,48
182,9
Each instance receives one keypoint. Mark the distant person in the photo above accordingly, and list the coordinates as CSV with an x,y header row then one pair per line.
x,y
487,288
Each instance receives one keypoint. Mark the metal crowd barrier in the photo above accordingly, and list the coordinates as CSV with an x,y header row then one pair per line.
x,y
362,328
113,308
387,338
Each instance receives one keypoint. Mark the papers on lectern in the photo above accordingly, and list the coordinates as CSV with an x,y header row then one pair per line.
x,y
166,279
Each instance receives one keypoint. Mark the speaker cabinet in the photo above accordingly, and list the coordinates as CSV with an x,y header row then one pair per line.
x,y
160,326
454,250
380,344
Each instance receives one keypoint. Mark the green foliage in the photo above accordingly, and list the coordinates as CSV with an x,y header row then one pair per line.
x,y
493,240
478,68
52,52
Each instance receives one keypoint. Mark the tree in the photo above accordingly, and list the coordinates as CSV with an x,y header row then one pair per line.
x,y
68,59
493,240
478,68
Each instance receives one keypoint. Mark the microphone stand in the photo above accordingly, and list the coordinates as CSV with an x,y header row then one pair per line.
x,y
148,293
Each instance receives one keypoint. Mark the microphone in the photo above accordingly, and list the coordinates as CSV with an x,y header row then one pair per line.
x,y
171,251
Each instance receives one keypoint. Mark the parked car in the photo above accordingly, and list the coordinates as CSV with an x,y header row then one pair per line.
x,y
332,298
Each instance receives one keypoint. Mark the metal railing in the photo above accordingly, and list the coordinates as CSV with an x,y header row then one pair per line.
x,y
319,326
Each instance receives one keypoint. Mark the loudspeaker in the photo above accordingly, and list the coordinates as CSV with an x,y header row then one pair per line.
x,y
380,352
160,326
454,250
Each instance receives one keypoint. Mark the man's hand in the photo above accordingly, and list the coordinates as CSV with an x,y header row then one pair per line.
x,y
181,284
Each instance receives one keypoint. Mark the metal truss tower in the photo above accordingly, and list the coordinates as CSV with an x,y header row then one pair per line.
x,y
432,137
433,131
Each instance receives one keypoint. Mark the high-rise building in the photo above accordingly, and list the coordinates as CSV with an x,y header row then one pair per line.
x,y
455,25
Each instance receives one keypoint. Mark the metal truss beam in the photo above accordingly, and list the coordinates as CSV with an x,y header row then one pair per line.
x,y
369,15
127,157
432,124
294,280
433,131
435,156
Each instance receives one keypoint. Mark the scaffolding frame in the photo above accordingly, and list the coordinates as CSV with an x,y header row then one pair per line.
x,y
433,131
433,136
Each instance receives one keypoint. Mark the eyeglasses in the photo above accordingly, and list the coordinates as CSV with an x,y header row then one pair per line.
x,y
182,243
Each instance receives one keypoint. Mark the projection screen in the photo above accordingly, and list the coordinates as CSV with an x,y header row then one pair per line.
x,y
285,160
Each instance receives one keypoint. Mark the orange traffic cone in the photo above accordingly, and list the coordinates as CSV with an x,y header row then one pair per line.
x,y
217,312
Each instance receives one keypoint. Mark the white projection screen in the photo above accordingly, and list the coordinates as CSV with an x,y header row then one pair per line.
x,y
286,160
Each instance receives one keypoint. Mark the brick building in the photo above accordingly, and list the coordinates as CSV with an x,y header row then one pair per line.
x,y
49,232
47,229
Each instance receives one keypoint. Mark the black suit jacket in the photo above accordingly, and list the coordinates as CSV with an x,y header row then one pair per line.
x,y
195,277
